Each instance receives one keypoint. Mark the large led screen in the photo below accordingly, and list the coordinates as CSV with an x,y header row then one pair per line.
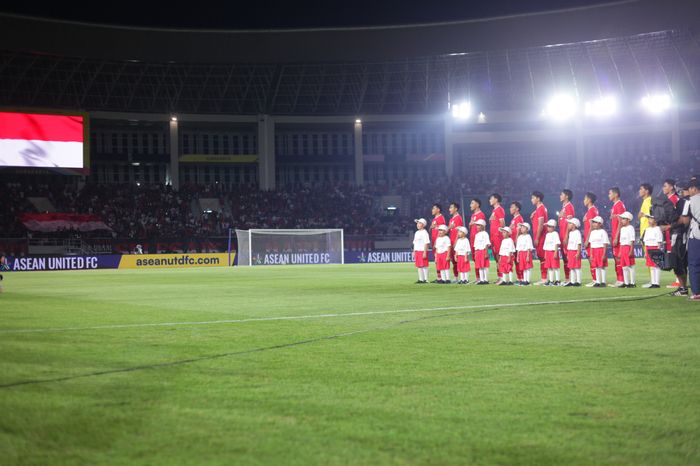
x,y
42,140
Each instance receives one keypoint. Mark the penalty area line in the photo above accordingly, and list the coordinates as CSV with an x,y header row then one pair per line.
x,y
319,316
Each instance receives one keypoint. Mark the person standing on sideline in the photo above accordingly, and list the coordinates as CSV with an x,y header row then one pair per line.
x,y
524,249
515,208
618,208
599,241
645,190
627,260
653,240
481,252
442,254
497,220
438,219
692,216
591,213
537,219
669,190
462,250
477,214
573,251
505,257
565,214
678,232
421,242
455,222
552,247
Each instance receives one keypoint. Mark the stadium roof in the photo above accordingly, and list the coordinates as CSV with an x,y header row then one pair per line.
x,y
584,23
629,48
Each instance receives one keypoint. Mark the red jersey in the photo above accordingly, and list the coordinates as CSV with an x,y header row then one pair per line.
x,y
455,221
566,212
437,221
617,209
497,215
540,212
674,198
590,215
514,225
472,230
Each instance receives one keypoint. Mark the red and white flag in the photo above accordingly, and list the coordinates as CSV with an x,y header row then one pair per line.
x,y
37,140
48,222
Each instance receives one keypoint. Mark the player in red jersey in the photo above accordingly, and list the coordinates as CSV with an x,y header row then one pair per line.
x,y
497,220
455,222
565,214
618,208
438,219
591,213
515,208
477,214
537,219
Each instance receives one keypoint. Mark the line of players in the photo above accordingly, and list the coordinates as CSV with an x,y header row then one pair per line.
x,y
513,245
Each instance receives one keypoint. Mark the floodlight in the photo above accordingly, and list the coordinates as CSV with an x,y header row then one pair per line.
x,y
560,107
656,104
462,111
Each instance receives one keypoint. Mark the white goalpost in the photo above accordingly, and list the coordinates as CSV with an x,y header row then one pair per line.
x,y
290,247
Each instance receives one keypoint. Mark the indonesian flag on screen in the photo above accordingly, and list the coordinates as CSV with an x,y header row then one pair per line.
x,y
36,140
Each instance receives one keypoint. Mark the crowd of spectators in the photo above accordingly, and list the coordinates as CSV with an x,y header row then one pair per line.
x,y
150,211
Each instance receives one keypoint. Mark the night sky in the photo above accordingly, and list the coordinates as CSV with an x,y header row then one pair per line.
x,y
286,14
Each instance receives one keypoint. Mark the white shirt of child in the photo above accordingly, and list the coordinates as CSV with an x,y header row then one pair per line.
x,y
574,240
552,241
507,247
524,243
442,244
462,246
482,241
420,239
653,237
598,238
627,235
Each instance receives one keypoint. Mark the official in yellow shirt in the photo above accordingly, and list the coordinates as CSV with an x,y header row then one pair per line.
x,y
645,190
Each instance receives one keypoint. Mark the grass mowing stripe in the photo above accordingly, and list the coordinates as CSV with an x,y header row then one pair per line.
x,y
471,310
325,316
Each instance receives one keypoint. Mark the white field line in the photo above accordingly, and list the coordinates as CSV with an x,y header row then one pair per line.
x,y
305,317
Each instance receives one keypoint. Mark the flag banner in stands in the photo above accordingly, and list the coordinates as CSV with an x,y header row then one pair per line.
x,y
56,222
38,140
117,261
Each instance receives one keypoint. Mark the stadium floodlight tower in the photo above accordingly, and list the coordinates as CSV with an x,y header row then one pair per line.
x,y
290,247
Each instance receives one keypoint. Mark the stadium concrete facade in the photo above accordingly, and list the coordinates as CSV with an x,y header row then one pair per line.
x,y
362,104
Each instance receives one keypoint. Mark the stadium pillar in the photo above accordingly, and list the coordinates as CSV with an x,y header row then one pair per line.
x,y
266,152
675,136
359,158
449,148
174,166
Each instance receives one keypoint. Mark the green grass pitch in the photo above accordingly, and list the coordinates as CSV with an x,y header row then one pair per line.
x,y
459,375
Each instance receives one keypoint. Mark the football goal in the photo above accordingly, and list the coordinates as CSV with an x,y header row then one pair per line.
x,y
290,247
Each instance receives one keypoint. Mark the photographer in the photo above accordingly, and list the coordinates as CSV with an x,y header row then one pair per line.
x,y
677,231
691,215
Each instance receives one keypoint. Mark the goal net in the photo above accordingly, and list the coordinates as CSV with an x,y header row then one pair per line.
x,y
290,247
